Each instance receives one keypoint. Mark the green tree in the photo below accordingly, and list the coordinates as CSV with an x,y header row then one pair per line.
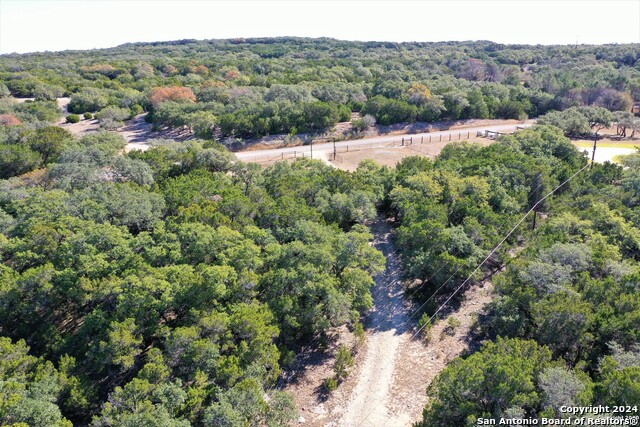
x,y
88,100
487,384
29,388
123,345
562,387
17,159
49,142
140,403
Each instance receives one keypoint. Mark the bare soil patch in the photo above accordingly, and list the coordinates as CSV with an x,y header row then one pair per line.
x,y
81,128
343,131
313,366
610,147
137,132
610,139
388,385
421,127
390,156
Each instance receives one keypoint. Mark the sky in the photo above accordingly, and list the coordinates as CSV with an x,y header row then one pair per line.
x,y
41,25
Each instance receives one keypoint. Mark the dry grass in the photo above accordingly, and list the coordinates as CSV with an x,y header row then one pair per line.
x,y
618,159
390,156
607,143
609,140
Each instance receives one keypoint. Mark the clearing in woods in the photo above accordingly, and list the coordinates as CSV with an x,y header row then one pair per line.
x,y
387,386
390,156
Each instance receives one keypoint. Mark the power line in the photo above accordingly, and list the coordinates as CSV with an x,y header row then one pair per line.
x,y
496,248
540,185
485,260
415,291
419,309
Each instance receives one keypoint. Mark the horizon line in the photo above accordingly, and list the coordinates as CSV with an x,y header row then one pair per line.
x,y
309,38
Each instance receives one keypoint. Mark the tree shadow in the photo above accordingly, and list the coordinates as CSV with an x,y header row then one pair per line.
x,y
307,360
139,131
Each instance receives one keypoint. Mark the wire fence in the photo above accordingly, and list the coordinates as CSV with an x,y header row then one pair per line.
x,y
412,142
285,155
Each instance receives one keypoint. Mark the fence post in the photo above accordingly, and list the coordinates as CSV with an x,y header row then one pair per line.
x,y
449,137
422,139
411,141
429,138
403,142
440,137
468,134
458,136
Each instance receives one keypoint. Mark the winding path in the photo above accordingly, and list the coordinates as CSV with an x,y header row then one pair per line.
x,y
388,384
389,389
369,404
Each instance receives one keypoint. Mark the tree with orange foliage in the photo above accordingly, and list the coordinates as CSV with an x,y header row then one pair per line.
x,y
231,74
171,93
201,70
170,70
9,120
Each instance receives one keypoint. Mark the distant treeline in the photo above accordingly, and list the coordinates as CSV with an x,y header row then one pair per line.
x,y
255,87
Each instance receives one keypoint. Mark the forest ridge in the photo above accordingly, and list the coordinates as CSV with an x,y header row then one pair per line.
x,y
248,88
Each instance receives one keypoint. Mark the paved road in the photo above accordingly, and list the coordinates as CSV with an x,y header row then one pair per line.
x,y
322,149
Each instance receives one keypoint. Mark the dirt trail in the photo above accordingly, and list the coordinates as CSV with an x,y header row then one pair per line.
x,y
388,385
396,369
370,400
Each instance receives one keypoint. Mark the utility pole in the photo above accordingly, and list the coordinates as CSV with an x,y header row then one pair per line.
x,y
593,155
312,148
334,150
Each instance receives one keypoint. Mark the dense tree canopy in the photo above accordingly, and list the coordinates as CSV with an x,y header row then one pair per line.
x,y
171,287
255,87
569,287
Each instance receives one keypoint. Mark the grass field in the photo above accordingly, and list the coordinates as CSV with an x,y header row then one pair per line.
x,y
583,143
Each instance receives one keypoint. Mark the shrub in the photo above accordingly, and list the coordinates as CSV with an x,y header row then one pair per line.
x,y
110,124
9,120
89,99
452,325
112,118
330,384
136,109
359,334
344,362
16,159
87,116
73,118
363,123
425,325
114,113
